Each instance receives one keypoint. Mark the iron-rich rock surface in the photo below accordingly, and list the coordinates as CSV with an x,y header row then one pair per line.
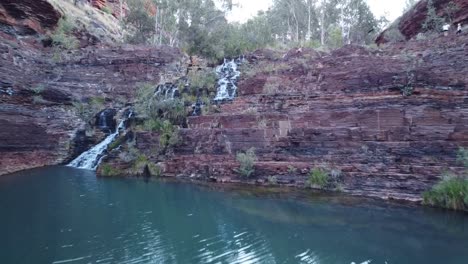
x,y
411,23
390,120
26,17
39,95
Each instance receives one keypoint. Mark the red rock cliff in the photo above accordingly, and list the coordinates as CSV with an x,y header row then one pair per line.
x,y
390,120
411,23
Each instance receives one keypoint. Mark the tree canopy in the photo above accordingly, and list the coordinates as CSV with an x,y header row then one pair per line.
x,y
200,26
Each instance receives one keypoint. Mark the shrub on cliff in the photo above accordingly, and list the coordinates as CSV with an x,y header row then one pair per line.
x,y
246,161
203,80
451,193
318,177
63,35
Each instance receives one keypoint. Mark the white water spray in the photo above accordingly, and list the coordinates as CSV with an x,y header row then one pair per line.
x,y
90,159
228,76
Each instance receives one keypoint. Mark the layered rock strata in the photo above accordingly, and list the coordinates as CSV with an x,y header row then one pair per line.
x,y
390,120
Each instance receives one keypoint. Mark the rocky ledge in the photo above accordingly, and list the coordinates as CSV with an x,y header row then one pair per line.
x,y
43,98
387,122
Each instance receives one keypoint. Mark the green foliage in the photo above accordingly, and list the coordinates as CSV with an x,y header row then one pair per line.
x,y
87,110
433,22
335,39
393,35
155,107
318,177
450,193
63,35
462,156
205,79
450,11
108,171
38,99
38,89
292,169
143,162
246,161
272,180
201,28
408,87
107,10
169,135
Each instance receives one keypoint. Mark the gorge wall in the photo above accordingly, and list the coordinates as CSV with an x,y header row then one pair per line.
x,y
42,90
389,120
410,24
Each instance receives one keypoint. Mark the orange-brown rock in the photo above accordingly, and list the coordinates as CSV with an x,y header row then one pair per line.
x,y
347,111
411,23
27,16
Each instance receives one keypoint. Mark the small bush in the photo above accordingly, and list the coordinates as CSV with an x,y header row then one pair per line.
x,y
462,156
272,180
450,193
393,35
205,79
246,161
318,177
169,136
108,171
143,162
433,22
106,10
38,89
63,37
292,169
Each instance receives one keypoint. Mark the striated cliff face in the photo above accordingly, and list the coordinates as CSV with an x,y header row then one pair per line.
x,y
39,96
411,23
390,120
27,16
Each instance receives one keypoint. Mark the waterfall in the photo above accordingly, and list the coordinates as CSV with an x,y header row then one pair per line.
x,y
228,76
167,91
92,158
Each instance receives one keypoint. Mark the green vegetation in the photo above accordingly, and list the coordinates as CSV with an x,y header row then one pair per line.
x,y
203,80
433,22
318,177
108,171
292,169
107,10
155,107
38,89
63,35
462,156
201,27
452,191
88,109
272,180
169,135
246,161
142,162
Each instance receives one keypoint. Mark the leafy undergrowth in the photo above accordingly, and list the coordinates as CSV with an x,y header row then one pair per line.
x,y
450,193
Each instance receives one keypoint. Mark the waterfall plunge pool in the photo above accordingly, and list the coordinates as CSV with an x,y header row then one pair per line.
x,y
66,215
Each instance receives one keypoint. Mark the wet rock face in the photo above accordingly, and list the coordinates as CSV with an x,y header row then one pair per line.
x,y
390,121
411,23
39,119
25,17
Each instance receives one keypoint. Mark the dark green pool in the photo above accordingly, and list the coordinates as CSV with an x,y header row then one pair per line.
x,y
65,215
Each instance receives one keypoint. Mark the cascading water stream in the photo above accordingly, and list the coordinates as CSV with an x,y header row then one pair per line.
x,y
92,158
228,76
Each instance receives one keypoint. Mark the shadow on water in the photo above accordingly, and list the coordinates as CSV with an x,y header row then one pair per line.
x,y
66,215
